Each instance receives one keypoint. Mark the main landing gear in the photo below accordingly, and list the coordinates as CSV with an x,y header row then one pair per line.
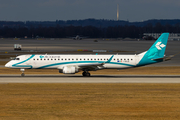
x,y
22,70
86,73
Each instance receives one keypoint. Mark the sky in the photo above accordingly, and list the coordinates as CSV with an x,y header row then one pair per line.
x,y
51,10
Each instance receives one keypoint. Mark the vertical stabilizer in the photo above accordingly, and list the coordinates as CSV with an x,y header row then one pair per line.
x,y
156,52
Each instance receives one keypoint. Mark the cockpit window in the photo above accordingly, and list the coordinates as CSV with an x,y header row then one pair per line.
x,y
17,59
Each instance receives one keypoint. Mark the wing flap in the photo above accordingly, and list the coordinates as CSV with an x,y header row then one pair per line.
x,y
93,66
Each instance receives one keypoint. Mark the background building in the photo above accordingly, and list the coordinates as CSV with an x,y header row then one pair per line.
x,y
172,36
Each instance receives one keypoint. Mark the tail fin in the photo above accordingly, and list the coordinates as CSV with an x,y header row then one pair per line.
x,y
156,52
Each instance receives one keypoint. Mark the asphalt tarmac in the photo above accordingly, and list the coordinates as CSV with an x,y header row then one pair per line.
x,y
5,79
85,44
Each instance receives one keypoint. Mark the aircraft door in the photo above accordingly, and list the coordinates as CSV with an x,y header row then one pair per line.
x,y
136,59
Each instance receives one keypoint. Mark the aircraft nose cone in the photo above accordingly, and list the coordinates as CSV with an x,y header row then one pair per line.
x,y
7,65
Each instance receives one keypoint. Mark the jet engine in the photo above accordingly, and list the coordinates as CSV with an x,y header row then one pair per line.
x,y
69,70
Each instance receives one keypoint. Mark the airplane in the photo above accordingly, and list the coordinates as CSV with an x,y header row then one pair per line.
x,y
71,64
78,37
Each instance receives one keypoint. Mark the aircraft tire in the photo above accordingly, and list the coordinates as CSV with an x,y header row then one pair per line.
x,y
22,75
86,74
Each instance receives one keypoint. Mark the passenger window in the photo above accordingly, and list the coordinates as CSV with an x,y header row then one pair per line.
x,y
44,59
68,59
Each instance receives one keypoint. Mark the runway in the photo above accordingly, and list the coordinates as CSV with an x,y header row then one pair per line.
x,y
93,79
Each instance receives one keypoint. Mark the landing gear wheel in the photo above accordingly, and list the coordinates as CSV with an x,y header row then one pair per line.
x,y
86,73
22,75
22,70
83,74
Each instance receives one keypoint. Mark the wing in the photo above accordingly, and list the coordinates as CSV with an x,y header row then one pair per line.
x,y
91,67
94,66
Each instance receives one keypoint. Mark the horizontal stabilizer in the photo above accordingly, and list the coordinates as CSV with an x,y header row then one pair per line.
x,y
164,58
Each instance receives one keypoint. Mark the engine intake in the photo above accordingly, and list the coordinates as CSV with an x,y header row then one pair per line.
x,y
69,70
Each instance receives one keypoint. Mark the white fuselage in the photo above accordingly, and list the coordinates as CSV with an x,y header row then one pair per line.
x,y
59,61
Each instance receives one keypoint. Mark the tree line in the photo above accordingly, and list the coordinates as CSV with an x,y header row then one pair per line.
x,y
58,31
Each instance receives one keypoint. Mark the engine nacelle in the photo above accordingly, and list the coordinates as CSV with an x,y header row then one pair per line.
x,y
69,70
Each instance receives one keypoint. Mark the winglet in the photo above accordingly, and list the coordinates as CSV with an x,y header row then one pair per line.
x,y
109,59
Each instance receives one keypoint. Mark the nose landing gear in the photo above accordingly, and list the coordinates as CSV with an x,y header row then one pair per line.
x,y
22,70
